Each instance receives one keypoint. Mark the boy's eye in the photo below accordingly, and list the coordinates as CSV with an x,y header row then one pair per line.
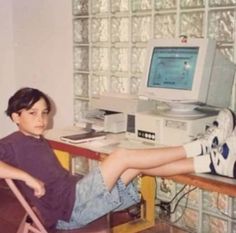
x,y
45,112
33,113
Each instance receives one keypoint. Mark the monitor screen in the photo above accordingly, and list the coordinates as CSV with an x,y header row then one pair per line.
x,y
173,67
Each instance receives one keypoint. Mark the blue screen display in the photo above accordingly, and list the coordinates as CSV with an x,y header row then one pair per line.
x,y
173,67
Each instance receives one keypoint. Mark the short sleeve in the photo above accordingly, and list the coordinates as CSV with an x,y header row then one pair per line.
x,y
7,153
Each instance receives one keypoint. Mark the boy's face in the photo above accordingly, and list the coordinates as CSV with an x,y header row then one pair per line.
x,y
34,121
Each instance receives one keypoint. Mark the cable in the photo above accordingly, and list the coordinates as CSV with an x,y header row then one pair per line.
x,y
185,206
181,190
169,202
181,197
165,206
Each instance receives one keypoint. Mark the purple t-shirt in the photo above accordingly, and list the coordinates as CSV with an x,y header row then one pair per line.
x,y
37,158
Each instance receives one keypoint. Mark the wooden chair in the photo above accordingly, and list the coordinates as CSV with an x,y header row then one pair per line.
x,y
31,222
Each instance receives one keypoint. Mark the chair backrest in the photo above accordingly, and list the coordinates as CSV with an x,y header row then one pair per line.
x,y
30,222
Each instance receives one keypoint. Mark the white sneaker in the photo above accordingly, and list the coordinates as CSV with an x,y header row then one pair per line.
x,y
215,135
221,129
223,158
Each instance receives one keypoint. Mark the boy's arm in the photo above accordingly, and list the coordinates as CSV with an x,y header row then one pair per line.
x,y
8,171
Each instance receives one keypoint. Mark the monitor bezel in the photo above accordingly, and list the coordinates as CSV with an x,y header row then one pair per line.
x,y
201,79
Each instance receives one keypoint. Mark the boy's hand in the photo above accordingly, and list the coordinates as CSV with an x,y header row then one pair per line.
x,y
11,172
37,185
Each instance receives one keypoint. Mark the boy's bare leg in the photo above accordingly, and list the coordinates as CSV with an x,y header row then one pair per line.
x,y
199,164
182,166
139,160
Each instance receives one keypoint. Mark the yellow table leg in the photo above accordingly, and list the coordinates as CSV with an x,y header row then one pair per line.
x,y
64,158
147,219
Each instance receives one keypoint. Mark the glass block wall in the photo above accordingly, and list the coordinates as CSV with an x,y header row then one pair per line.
x,y
110,39
199,210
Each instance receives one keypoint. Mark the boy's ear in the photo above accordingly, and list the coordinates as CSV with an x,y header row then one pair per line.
x,y
15,117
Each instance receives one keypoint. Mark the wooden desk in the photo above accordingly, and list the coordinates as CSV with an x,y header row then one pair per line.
x,y
148,186
210,183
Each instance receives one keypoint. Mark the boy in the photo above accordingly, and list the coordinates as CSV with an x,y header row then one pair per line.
x,y
68,202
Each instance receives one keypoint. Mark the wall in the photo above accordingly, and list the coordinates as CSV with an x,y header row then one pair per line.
x,y
7,79
43,52
38,51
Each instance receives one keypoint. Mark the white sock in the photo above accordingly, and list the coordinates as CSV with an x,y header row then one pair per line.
x,y
193,148
202,163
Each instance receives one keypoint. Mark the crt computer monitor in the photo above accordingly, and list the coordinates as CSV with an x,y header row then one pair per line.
x,y
186,74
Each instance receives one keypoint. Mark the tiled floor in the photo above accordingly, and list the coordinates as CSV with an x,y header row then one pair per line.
x,y
11,214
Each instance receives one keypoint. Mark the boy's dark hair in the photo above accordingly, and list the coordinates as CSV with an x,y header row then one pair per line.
x,y
25,98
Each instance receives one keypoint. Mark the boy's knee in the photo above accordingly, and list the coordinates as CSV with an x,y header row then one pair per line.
x,y
119,154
